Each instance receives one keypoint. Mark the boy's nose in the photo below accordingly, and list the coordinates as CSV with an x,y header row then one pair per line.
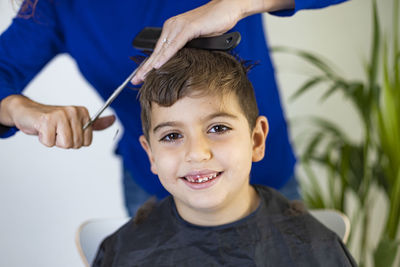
x,y
198,150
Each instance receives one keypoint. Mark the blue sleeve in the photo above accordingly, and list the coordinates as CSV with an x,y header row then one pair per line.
x,y
25,48
307,4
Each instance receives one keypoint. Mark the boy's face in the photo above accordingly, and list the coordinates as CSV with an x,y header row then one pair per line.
x,y
202,150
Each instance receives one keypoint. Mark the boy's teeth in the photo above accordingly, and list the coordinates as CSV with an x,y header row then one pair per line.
x,y
198,179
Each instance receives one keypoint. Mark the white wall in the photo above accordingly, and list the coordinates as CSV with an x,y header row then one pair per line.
x,y
46,193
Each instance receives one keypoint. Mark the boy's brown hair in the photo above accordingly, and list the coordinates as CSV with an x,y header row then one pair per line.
x,y
197,72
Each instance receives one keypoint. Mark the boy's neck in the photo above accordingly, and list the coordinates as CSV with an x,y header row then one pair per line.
x,y
243,205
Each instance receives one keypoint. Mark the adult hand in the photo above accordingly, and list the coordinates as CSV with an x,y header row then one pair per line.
x,y
214,18
59,126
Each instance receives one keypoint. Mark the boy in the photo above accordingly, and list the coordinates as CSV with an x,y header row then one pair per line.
x,y
201,133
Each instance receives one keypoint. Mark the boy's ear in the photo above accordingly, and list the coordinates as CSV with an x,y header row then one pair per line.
x,y
259,136
146,147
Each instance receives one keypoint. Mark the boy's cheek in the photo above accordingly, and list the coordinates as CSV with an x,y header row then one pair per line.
x,y
165,163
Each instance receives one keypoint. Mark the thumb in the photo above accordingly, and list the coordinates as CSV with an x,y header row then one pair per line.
x,y
103,122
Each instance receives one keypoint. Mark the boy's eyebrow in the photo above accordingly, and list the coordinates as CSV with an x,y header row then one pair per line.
x,y
208,117
220,114
165,124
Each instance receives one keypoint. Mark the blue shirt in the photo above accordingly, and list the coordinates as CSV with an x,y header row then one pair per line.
x,y
98,36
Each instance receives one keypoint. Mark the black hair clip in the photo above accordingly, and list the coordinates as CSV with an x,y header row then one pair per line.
x,y
147,39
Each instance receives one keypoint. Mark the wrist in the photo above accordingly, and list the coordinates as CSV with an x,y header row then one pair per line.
x,y
7,106
247,7
251,7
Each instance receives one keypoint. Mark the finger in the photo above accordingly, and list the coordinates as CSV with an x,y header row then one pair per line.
x,y
103,122
87,136
152,63
64,137
144,69
169,32
74,118
171,42
87,133
47,131
147,66
169,51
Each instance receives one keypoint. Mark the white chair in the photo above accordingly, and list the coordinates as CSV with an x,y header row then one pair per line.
x,y
334,220
91,233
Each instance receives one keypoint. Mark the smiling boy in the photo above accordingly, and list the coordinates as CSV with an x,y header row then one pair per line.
x,y
202,149
202,132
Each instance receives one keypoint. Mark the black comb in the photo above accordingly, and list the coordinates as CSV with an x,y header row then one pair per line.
x,y
147,39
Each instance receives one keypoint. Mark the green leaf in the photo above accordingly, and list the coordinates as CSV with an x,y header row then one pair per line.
x,y
316,197
396,59
330,128
385,253
318,62
310,149
373,67
394,210
334,87
307,86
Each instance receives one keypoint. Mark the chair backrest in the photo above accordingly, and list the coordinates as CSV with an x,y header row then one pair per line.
x,y
334,220
91,233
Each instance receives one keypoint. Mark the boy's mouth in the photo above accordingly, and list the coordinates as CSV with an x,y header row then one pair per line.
x,y
201,178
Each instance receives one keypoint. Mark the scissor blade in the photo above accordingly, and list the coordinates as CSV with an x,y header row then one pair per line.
x,y
112,97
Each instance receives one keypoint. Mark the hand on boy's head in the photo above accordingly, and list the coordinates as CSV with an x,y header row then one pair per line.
x,y
213,18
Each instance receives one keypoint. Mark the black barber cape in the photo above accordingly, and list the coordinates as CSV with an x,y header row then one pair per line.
x,y
277,233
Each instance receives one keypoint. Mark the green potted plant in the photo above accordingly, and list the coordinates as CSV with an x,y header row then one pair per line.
x,y
356,171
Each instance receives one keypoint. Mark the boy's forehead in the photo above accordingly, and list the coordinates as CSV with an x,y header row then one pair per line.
x,y
196,107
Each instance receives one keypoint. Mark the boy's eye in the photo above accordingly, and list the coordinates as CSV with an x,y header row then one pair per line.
x,y
219,129
171,137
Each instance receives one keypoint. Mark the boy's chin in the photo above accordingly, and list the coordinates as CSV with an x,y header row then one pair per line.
x,y
202,203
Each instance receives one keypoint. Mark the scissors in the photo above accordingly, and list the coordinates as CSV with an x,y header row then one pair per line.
x,y
147,39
